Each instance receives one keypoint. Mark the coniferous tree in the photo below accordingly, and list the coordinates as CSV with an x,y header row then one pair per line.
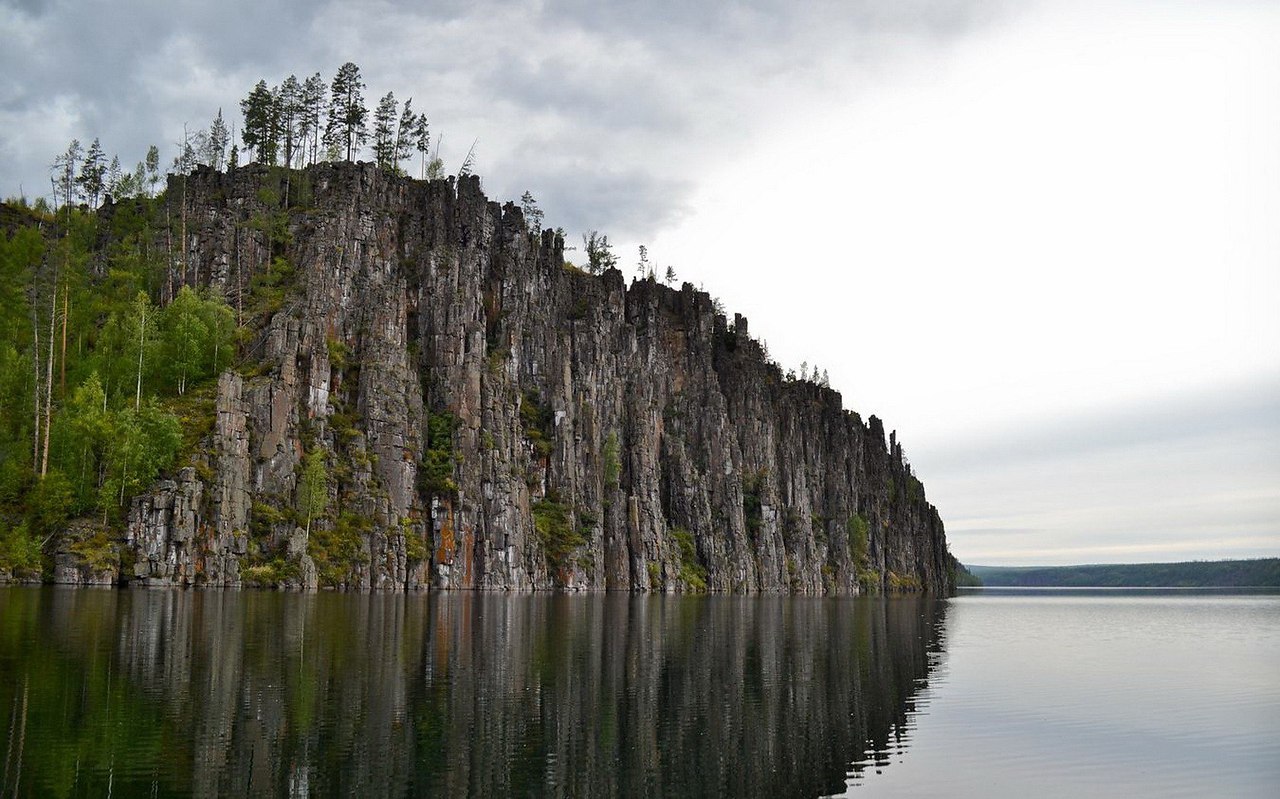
x,y
384,131
260,122
422,139
64,174
311,103
671,275
217,143
93,172
599,253
405,134
532,213
153,169
114,175
346,130
288,103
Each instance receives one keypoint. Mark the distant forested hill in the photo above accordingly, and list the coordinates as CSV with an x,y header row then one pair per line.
x,y
1189,574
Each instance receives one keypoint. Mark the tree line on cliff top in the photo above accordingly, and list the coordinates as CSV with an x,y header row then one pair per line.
x,y
294,124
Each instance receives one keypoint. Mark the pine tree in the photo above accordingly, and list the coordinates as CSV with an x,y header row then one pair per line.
x,y
384,131
64,174
153,169
311,109
532,213
346,129
671,275
217,145
405,133
260,122
422,139
289,112
93,172
114,176
599,253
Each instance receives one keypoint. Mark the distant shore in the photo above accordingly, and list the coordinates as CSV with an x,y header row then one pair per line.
x,y
1252,573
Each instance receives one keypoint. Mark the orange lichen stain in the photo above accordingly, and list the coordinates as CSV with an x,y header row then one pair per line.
x,y
448,543
468,555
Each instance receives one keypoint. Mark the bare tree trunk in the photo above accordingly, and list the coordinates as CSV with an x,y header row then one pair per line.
x,y
35,380
66,309
48,381
142,340
168,235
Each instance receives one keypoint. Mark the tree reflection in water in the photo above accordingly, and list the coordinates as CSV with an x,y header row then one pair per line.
x,y
234,693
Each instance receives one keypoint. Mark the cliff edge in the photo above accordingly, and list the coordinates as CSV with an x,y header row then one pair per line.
x,y
463,410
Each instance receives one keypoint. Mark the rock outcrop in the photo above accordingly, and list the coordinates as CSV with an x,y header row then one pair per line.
x,y
491,418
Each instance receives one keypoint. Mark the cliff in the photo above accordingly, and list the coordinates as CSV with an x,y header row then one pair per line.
x,y
490,418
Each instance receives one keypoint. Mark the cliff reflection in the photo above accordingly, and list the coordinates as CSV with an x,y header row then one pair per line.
x,y
237,693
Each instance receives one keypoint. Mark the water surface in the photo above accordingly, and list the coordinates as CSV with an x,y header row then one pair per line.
x,y
166,692
1069,693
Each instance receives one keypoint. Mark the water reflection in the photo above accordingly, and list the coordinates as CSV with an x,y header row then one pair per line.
x,y
236,693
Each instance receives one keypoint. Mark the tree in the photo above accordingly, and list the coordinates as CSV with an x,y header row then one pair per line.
x,y
532,213
288,113
313,487
469,163
114,175
64,178
346,129
145,441
599,253
311,108
139,324
642,266
217,143
185,337
422,139
405,134
260,123
384,131
87,437
93,172
153,169
670,278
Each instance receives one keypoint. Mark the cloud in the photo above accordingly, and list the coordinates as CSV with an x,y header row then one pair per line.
x,y
607,111
1194,476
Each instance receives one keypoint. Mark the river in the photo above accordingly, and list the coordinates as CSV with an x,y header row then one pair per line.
x,y
993,693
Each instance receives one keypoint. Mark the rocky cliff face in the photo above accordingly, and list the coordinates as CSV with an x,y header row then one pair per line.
x,y
492,419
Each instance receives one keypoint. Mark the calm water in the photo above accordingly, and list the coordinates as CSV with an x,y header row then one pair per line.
x,y
160,693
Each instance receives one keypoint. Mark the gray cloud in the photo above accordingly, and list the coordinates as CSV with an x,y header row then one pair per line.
x,y
1191,477
604,110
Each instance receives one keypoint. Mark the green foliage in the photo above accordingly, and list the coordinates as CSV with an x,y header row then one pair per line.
x,y
338,549
196,333
337,353
20,552
415,548
50,503
859,532
313,487
904,582
538,421
439,457
753,484
147,442
551,520
692,573
268,288
99,551
612,461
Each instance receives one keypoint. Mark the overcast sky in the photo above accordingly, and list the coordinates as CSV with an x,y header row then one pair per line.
x,y
1040,239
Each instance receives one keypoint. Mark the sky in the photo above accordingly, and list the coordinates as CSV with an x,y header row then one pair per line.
x,y
1040,239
